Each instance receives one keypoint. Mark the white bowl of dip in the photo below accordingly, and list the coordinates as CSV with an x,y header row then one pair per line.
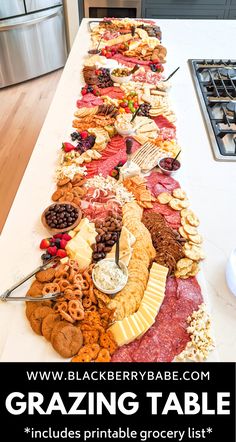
x,y
108,278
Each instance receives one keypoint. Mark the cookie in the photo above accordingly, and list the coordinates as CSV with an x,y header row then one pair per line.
x,y
31,307
35,289
36,318
67,341
48,323
57,327
45,275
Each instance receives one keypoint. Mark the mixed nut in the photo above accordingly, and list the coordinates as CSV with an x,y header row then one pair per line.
x,y
108,231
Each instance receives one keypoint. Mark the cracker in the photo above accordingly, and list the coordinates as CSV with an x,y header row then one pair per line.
x,y
179,193
176,204
183,233
190,230
192,219
164,198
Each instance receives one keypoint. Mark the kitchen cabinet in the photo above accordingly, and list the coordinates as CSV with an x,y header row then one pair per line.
x,y
189,9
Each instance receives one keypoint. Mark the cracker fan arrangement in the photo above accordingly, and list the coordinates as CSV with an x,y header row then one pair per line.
x,y
147,306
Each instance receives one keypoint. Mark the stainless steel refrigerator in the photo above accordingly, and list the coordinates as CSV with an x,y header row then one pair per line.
x,y
32,39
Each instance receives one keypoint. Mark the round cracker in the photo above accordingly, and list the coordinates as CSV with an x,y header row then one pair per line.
x,y
190,230
175,204
183,233
179,193
164,198
192,219
184,263
196,239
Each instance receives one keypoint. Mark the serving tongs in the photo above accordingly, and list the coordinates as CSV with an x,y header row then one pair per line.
x,y
108,22
6,295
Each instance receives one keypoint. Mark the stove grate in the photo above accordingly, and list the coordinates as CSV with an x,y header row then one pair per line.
x,y
215,82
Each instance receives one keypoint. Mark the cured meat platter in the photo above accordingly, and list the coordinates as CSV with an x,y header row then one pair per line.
x,y
111,189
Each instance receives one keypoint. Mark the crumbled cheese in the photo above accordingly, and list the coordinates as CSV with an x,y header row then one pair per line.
x,y
70,171
109,183
201,343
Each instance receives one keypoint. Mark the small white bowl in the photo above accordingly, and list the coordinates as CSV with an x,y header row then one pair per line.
x,y
124,132
120,80
118,289
165,171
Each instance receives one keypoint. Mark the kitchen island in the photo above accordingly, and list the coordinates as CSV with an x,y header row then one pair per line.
x,y
210,186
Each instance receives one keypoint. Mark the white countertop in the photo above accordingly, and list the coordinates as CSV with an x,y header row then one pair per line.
x,y
211,186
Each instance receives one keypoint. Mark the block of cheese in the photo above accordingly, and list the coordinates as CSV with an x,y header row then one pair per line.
x,y
79,247
146,317
127,239
136,325
83,222
123,332
80,251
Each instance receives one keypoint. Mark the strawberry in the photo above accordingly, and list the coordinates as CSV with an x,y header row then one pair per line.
x,y
45,243
84,91
67,147
52,250
66,236
58,235
84,134
61,253
63,243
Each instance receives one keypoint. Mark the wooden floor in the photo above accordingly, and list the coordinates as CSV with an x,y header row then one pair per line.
x,y
23,109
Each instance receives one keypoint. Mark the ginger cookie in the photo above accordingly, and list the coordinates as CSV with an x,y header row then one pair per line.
x,y
48,323
35,289
67,340
46,275
36,318
31,306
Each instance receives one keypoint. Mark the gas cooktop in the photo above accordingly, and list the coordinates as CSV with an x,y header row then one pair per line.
x,y
215,82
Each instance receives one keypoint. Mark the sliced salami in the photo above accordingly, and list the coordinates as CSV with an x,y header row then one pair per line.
x,y
156,182
168,336
114,153
89,100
